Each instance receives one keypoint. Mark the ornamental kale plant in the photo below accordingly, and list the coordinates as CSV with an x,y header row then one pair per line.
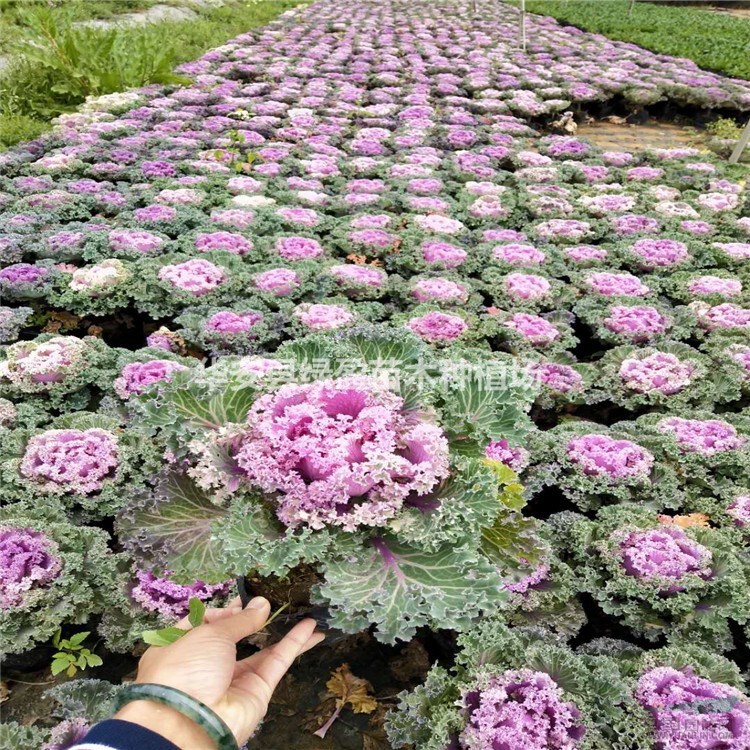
x,y
53,573
342,312
659,578
515,688
83,462
592,465
364,476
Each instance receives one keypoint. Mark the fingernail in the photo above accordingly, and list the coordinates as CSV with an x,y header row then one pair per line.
x,y
257,603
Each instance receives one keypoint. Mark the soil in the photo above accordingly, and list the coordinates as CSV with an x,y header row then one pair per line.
x,y
630,137
299,706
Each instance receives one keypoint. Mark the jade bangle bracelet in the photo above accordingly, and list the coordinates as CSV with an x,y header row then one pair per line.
x,y
211,723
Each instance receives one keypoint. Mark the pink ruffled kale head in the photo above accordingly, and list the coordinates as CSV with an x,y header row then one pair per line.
x,y
352,275
527,286
298,248
443,253
530,581
70,461
693,713
28,560
520,710
557,377
635,224
230,322
726,315
603,456
584,253
704,436
136,377
665,552
227,241
535,329
197,276
635,322
48,362
660,253
279,281
323,317
439,224
705,285
259,366
341,452
739,510
375,238
438,327
134,240
170,599
611,284
439,290
516,254
516,458
68,733
659,372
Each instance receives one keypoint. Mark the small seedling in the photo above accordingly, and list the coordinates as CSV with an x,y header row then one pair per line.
x,y
165,636
71,655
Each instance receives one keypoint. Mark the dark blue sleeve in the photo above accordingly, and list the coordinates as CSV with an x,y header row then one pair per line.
x,y
124,735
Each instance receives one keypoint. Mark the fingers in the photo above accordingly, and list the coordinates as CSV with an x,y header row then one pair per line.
x,y
244,622
272,663
214,613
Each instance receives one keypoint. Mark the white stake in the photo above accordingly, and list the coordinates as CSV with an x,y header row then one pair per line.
x,y
522,26
741,144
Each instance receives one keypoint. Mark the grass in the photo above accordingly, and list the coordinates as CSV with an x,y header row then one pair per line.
x,y
715,41
56,64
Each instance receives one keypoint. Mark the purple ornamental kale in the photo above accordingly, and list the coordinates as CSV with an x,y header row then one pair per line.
x,y
739,510
340,452
170,599
601,455
443,253
555,376
197,276
28,560
520,710
298,248
516,458
66,734
231,242
704,436
665,552
65,461
535,329
635,322
278,281
136,377
438,327
439,290
693,713
659,372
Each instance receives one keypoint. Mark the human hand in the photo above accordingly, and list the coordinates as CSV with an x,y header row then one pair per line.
x,y
203,664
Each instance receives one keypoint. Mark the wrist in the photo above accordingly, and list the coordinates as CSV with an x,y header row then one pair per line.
x,y
167,722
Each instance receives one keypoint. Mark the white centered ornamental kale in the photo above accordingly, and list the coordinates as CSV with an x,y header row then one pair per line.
x,y
71,460
341,452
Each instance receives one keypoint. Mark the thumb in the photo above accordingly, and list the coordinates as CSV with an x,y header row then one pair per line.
x,y
246,622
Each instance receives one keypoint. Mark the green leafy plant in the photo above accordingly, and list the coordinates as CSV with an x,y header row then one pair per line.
x,y
166,636
715,41
72,655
